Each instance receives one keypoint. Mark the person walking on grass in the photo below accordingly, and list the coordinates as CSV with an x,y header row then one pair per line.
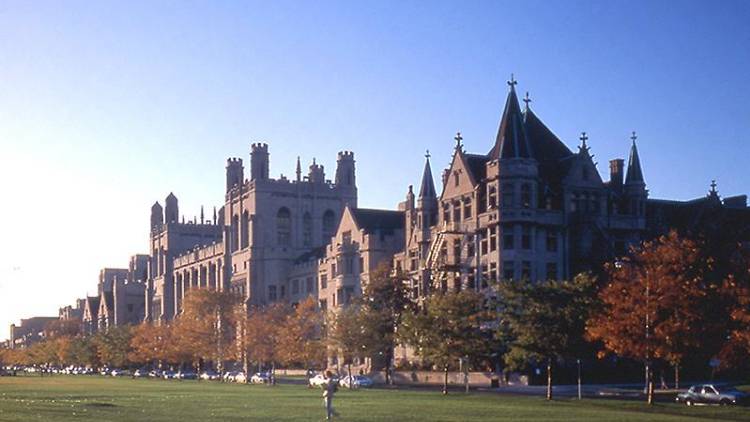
x,y
329,389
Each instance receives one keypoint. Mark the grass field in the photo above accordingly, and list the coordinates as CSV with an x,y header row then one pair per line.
x,y
94,398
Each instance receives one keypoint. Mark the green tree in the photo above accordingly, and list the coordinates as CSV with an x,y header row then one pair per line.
x,y
451,326
381,308
346,335
113,346
546,321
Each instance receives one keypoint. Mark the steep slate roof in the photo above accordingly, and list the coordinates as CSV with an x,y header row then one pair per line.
x,y
427,190
370,220
511,141
93,302
547,146
477,165
634,174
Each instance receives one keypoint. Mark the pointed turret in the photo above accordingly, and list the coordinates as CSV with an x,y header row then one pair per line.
x,y
511,141
299,170
634,174
427,189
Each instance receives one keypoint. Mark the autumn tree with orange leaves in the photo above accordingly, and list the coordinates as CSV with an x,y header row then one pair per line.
x,y
653,306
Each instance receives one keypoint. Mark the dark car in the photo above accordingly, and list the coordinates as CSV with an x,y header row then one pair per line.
x,y
712,394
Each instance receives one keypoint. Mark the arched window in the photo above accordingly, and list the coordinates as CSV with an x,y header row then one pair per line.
x,y
244,229
329,225
284,226
526,195
307,227
235,240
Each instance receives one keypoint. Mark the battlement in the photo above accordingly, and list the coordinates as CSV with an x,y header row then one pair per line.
x,y
234,161
346,155
259,147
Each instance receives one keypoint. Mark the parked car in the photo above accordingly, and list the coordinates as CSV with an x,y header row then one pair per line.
x,y
210,375
168,375
186,375
260,378
713,394
355,381
156,373
119,372
240,377
319,380
140,373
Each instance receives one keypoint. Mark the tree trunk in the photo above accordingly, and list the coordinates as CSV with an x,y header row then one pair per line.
x,y
445,380
549,379
349,369
677,376
650,398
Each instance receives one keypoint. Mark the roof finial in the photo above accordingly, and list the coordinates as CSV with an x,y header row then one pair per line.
x,y
583,139
633,137
713,186
527,100
512,83
458,139
427,154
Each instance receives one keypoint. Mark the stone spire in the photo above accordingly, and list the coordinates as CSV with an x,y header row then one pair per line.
x,y
216,221
634,174
511,141
299,170
203,219
427,190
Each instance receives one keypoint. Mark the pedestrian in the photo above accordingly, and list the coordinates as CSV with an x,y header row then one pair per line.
x,y
329,389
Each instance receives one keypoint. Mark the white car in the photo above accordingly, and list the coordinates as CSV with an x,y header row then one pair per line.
x,y
209,375
240,377
260,378
356,381
319,380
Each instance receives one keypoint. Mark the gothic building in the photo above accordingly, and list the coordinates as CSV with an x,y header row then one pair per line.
x,y
264,243
530,208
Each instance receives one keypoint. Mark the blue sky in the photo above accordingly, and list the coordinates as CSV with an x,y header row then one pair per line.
x,y
106,106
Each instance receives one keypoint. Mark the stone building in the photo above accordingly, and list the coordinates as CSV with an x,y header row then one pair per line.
x,y
264,243
364,239
30,331
533,209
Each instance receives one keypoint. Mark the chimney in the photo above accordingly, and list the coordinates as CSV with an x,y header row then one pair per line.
x,y
616,168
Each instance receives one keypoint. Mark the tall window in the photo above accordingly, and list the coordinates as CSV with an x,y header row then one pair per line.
x,y
508,239
323,281
526,237
446,212
284,226
271,293
456,211
244,229
509,269
493,238
526,270
492,198
307,227
467,208
235,232
551,241
526,195
329,225
507,195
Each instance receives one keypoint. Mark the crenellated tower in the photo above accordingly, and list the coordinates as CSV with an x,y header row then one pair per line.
x,y
259,162
235,172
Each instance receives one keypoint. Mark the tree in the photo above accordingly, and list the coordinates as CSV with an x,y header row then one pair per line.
x,y
61,327
262,333
150,343
546,321
382,305
451,326
654,303
205,328
83,352
302,342
113,346
345,333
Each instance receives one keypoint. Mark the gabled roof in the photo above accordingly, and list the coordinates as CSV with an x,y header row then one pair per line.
x,y
511,141
427,190
477,165
547,146
371,220
634,174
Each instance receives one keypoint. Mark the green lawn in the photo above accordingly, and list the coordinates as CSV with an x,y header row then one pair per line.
x,y
80,398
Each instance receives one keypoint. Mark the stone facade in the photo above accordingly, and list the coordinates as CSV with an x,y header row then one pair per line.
x,y
262,245
30,331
